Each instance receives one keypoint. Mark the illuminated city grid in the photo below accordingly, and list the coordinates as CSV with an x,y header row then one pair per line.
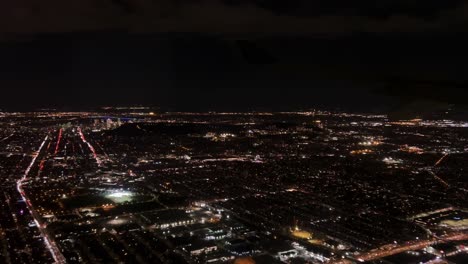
x,y
133,185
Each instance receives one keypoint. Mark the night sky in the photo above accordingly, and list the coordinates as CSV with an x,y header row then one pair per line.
x,y
234,55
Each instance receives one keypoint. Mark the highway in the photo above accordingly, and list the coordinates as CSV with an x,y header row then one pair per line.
x,y
394,249
1,140
441,159
59,138
440,180
50,243
91,148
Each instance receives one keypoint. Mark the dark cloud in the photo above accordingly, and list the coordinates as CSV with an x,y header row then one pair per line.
x,y
371,8
228,70
214,72
229,16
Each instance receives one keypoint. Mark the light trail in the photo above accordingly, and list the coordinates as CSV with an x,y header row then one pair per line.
x,y
439,179
102,149
426,214
25,176
441,159
58,141
98,160
50,244
395,249
7,137
41,166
